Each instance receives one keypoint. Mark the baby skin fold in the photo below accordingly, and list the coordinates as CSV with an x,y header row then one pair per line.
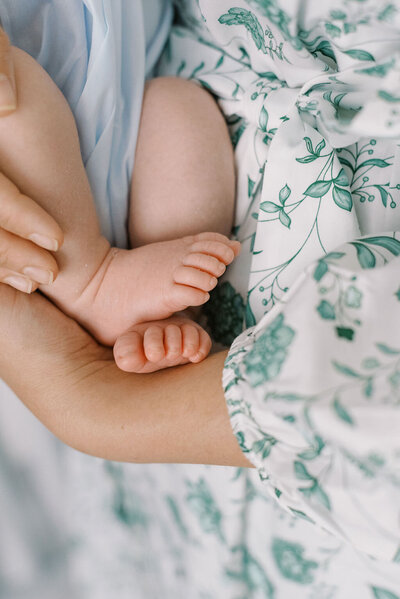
x,y
181,209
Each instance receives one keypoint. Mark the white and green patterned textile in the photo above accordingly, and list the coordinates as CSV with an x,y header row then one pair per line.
x,y
311,91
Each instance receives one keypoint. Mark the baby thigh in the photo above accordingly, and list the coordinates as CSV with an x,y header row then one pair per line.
x,y
184,177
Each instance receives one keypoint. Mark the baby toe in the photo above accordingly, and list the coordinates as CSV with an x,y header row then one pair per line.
x,y
182,297
222,251
204,347
193,277
173,342
128,352
190,340
153,344
212,236
206,263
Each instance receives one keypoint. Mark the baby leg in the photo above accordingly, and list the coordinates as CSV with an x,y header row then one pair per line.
x,y
183,183
39,151
105,289
184,177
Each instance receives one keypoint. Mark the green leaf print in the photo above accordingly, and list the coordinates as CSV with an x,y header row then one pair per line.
x,y
318,189
380,593
338,15
202,503
177,518
284,194
383,193
302,472
374,162
388,97
341,179
264,446
359,54
342,198
250,187
307,159
309,145
390,351
269,207
320,147
326,310
291,562
321,270
320,495
388,243
333,30
370,363
263,120
346,370
251,574
311,454
285,219
250,318
365,257
342,412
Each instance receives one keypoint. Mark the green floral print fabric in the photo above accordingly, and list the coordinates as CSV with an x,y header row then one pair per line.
x,y
311,93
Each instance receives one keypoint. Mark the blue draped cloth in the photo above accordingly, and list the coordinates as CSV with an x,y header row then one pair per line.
x,y
99,53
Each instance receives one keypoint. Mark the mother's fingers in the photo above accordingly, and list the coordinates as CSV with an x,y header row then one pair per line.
x,y
20,215
8,100
24,257
16,280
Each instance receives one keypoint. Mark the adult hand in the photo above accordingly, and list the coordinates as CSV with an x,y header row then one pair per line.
x,y
73,386
26,230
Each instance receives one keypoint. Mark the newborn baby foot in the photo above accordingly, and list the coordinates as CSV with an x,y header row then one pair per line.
x,y
161,344
152,282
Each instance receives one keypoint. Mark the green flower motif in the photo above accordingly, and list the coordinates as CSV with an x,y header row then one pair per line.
x,y
265,360
353,297
202,503
225,314
291,563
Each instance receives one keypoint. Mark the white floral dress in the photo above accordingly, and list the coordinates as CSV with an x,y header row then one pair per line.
x,y
311,91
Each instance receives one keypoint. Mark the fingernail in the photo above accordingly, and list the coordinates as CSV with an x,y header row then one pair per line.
x,y
7,95
20,283
45,277
45,242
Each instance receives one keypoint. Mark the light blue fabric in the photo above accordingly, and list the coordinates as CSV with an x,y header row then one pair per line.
x,y
99,53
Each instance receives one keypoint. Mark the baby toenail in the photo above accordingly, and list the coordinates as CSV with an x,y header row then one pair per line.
x,y
124,350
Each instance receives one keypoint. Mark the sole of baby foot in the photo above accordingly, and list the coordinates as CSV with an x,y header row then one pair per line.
x,y
157,345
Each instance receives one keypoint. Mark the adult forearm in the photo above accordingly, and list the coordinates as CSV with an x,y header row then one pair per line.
x,y
177,415
73,386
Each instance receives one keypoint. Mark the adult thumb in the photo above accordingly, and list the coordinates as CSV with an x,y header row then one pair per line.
x,y
8,99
